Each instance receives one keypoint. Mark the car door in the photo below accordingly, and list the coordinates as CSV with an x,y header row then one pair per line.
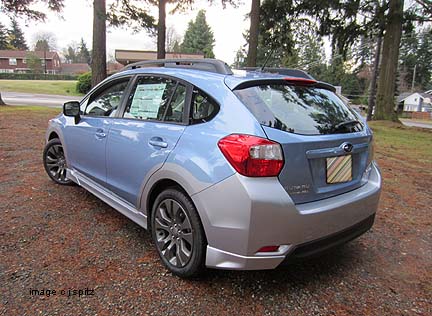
x,y
86,140
140,141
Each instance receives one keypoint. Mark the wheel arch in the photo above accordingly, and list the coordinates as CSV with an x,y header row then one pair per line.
x,y
156,189
53,135
164,181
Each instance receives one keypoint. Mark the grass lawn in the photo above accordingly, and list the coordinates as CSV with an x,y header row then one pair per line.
x,y
29,108
60,87
394,139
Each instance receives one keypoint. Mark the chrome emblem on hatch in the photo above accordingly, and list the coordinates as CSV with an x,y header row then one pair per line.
x,y
347,147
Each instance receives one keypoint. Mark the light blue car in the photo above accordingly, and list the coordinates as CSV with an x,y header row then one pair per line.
x,y
228,169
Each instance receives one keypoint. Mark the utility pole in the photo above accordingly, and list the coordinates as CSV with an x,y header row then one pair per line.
x,y
413,80
45,61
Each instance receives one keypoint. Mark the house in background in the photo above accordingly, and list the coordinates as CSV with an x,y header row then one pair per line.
x,y
75,68
113,67
15,61
415,102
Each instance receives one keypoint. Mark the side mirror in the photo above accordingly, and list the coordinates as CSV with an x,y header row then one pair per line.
x,y
72,108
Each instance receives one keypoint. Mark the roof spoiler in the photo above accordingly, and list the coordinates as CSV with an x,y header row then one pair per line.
x,y
290,80
289,72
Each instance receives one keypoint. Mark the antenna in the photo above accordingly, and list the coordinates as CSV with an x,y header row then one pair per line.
x,y
267,59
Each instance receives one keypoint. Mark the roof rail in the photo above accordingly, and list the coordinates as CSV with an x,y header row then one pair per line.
x,y
282,71
205,64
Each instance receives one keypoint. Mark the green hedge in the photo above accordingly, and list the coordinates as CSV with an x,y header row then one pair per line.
x,y
18,76
84,83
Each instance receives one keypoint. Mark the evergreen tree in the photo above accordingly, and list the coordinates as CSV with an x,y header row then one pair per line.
x,y
415,53
16,37
3,37
45,41
240,58
83,55
309,48
199,37
25,8
136,13
71,53
42,45
424,65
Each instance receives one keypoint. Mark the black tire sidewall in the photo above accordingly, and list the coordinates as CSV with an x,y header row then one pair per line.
x,y
196,264
51,143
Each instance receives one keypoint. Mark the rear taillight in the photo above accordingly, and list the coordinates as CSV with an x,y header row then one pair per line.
x,y
252,156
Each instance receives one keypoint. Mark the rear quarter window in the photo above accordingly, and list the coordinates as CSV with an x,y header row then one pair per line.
x,y
299,109
203,108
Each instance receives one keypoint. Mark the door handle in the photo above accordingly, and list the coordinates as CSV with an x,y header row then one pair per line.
x,y
158,142
100,134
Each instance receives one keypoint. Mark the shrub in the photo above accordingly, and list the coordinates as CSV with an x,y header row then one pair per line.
x,y
84,83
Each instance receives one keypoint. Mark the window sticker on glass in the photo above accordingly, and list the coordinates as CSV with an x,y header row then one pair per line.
x,y
147,100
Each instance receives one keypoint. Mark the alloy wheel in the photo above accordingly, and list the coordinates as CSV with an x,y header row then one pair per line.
x,y
174,234
55,163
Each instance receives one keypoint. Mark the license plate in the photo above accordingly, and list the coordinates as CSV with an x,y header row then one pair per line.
x,y
339,169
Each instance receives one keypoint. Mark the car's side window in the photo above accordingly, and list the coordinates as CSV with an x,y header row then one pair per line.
x,y
204,108
156,98
106,102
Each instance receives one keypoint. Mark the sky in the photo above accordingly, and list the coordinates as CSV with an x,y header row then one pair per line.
x,y
76,21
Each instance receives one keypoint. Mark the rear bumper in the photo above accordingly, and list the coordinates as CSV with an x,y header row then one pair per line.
x,y
240,215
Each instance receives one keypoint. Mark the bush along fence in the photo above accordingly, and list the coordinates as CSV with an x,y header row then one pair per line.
x,y
24,76
84,83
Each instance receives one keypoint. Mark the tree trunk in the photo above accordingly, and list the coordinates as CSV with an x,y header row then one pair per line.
x,y
372,90
1,100
253,33
98,62
385,103
161,30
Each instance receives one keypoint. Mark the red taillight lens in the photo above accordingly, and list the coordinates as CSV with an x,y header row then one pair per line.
x,y
252,156
269,249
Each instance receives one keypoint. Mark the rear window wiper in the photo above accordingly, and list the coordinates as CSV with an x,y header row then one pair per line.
x,y
347,123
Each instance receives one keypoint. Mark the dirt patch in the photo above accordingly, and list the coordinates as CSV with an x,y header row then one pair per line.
x,y
61,237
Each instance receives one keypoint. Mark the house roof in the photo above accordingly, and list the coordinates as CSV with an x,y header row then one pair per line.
x,y
126,57
423,95
24,54
403,96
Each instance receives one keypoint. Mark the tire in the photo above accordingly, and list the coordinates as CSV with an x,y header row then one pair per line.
x,y
178,234
55,163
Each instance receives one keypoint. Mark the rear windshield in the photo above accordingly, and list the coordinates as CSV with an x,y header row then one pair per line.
x,y
299,109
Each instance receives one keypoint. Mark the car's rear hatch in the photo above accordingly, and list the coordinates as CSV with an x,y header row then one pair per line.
x,y
325,146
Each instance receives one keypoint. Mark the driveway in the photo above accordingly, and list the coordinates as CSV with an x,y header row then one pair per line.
x,y
48,100
412,123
